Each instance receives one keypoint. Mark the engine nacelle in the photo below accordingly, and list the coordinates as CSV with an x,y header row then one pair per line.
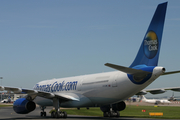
x,y
23,106
119,106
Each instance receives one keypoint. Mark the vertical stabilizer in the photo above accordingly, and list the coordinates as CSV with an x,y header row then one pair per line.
x,y
149,50
143,98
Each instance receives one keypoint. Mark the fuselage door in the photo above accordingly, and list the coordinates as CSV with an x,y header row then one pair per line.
x,y
79,85
114,82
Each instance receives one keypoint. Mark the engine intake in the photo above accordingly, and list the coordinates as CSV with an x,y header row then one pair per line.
x,y
23,106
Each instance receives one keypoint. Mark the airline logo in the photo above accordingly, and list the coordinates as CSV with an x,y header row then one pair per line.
x,y
55,87
151,44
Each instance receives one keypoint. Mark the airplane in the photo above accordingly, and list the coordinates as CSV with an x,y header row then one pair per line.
x,y
105,90
154,101
160,91
172,98
8,100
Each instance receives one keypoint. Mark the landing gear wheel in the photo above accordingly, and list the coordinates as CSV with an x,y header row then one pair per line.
x,y
56,115
111,114
43,114
118,114
64,114
106,114
59,114
53,114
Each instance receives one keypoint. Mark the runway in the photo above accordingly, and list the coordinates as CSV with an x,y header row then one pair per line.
x,y
7,113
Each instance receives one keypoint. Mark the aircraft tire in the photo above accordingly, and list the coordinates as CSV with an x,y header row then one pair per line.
x,y
111,114
106,114
64,114
118,114
41,114
53,114
57,115
44,114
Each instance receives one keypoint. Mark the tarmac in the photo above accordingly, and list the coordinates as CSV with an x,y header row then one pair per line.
x,y
7,113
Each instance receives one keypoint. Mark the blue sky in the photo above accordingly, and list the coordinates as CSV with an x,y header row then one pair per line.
x,y
45,39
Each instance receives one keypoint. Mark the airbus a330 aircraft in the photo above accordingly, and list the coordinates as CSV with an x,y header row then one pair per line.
x,y
104,90
155,101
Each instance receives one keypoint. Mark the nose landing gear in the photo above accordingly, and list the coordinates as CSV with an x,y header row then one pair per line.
x,y
43,113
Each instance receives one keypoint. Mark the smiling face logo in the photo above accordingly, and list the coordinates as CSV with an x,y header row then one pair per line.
x,y
150,44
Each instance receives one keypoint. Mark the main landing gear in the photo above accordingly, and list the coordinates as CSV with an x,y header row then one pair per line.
x,y
54,114
111,114
113,110
57,113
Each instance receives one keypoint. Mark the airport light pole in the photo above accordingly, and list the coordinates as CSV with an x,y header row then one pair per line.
x,y
1,84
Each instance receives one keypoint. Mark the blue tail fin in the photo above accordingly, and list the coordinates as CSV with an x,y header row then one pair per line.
x,y
149,51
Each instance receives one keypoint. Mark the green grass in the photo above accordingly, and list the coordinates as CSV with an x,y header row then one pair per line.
x,y
169,112
132,111
5,105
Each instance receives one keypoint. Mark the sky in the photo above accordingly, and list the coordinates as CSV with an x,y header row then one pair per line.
x,y
41,40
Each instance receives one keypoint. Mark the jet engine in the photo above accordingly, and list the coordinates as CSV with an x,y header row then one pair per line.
x,y
23,106
119,106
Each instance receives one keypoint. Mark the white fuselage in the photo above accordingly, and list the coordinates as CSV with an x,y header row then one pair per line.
x,y
156,101
93,90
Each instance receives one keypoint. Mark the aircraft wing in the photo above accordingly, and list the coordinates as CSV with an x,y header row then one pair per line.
x,y
126,69
158,90
34,93
172,72
135,72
